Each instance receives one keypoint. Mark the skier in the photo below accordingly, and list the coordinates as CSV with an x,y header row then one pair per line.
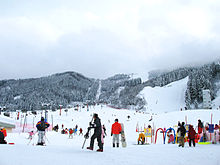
x,y
31,135
191,135
97,133
182,130
116,130
41,127
2,136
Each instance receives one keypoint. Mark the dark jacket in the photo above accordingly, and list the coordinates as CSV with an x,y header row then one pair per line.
x,y
97,125
182,130
192,132
42,125
2,138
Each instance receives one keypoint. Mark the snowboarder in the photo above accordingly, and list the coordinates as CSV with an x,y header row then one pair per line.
x,y
97,133
191,135
182,130
2,136
116,130
41,127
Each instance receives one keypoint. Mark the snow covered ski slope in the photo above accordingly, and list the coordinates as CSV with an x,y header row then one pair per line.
x,y
60,149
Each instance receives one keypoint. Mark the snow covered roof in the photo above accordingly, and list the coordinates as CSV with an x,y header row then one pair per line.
x,y
6,122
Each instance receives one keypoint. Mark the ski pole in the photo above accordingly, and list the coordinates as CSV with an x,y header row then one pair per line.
x,y
87,134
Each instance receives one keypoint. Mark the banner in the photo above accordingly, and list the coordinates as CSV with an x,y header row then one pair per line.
x,y
147,132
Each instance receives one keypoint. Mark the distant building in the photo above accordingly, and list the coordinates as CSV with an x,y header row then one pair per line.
x,y
7,123
207,103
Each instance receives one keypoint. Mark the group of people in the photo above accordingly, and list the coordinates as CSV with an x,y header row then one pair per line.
x,y
193,136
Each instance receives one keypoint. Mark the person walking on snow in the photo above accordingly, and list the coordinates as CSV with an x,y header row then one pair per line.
x,y
116,130
182,131
97,133
191,135
41,127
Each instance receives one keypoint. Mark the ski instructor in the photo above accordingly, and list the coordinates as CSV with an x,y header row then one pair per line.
x,y
97,133
41,127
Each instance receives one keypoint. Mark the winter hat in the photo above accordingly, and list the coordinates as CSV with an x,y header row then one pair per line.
x,y
42,118
95,115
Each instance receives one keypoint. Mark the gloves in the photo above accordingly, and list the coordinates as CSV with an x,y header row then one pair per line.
x,y
119,132
86,135
111,134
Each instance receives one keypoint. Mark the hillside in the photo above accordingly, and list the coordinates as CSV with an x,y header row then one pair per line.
x,y
121,91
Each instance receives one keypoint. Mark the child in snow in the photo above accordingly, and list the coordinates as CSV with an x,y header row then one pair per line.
x,y
80,131
70,133
171,138
31,135
141,138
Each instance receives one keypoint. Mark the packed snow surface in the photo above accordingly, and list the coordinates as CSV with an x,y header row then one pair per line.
x,y
60,149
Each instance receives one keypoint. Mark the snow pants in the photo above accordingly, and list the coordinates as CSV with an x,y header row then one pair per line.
x,y
41,135
115,138
192,140
181,141
94,136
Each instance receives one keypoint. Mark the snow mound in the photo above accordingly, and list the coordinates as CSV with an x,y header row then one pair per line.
x,y
165,99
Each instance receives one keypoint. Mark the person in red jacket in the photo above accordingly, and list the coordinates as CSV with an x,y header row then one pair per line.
x,y
116,130
191,135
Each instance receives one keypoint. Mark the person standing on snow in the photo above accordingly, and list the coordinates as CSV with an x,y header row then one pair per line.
x,y
116,130
97,133
41,127
191,135
2,136
182,131
200,127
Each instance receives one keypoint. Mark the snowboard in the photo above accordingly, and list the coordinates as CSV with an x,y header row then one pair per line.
x,y
123,139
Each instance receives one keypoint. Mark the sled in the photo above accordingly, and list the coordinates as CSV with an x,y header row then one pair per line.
x,y
204,143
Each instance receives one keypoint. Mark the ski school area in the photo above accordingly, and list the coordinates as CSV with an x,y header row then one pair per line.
x,y
150,138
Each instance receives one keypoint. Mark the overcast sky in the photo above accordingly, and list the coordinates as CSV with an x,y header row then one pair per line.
x,y
100,38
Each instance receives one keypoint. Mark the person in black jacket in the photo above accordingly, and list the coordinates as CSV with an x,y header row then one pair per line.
x,y
97,133
182,131
41,127
2,138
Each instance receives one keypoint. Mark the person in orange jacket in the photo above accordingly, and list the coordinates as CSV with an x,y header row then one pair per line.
x,y
116,130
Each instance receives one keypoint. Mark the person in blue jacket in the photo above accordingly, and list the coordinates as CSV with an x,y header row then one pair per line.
x,y
41,127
